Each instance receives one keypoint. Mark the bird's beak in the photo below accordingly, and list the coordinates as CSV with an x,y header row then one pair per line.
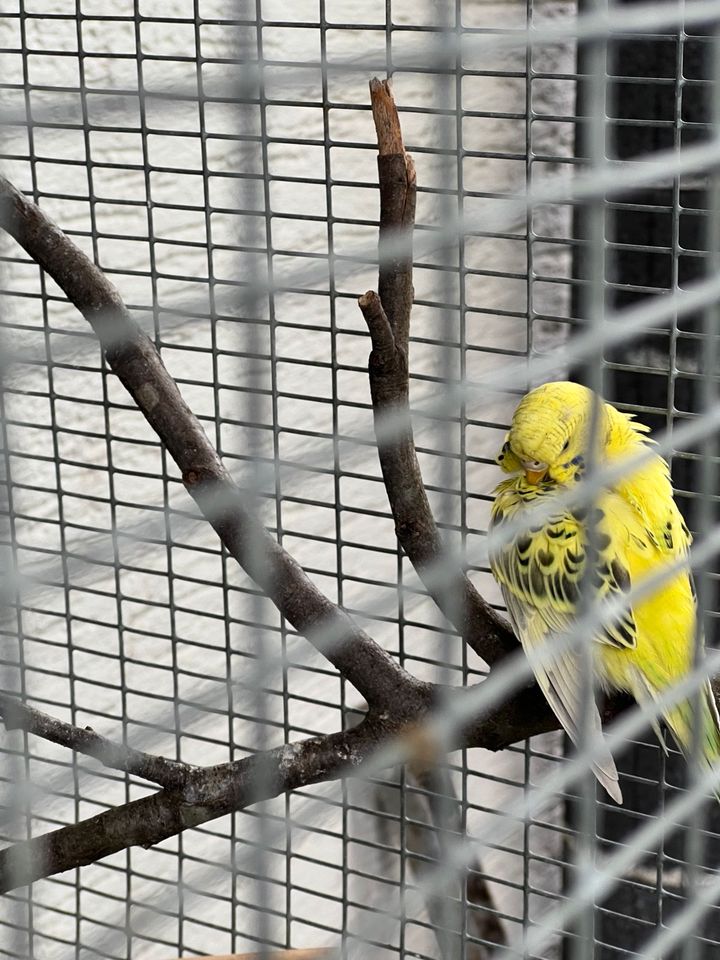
x,y
533,474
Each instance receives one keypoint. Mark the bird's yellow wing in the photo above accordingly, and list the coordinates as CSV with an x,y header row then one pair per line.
x,y
542,572
560,679
545,565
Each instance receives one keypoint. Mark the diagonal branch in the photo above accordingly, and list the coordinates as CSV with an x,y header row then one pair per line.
x,y
388,318
133,357
170,774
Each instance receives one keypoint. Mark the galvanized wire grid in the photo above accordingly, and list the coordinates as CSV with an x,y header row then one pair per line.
x,y
148,135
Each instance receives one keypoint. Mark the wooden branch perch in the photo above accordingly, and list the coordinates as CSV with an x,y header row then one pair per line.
x,y
209,793
388,318
133,357
399,703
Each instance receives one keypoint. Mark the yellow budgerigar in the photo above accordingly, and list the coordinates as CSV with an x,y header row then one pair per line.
x,y
542,569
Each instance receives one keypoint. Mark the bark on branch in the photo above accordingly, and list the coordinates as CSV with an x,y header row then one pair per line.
x,y
388,318
211,792
169,774
137,364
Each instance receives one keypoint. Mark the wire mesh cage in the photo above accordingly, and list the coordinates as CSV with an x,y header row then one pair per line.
x,y
206,756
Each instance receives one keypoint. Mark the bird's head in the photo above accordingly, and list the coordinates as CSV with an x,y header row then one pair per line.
x,y
549,433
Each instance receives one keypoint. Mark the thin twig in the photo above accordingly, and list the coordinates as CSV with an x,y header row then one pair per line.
x,y
170,774
388,318
133,357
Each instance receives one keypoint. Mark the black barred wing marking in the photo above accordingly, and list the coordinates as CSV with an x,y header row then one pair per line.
x,y
544,566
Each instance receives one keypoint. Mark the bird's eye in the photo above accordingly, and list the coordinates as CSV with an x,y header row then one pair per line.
x,y
566,445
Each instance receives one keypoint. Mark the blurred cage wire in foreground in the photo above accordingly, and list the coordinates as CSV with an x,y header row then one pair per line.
x,y
217,161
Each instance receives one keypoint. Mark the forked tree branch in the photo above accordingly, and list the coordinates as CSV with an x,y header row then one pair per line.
x,y
137,364
388,318
399,703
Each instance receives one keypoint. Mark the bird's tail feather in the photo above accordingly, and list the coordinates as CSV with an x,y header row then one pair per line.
x,y
682,722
